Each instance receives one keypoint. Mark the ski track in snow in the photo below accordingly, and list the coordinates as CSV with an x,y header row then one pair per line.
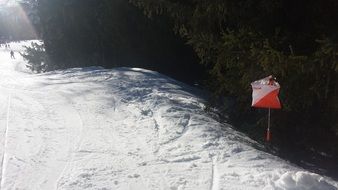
x,y
4,156
92,128
214,175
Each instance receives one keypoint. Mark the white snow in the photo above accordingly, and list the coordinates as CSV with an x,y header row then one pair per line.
x,y
91,128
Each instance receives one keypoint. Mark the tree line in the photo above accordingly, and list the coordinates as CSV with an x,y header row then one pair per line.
x,y
233,42
109,34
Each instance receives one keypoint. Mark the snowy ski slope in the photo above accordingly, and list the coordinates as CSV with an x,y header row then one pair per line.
x,y
91,128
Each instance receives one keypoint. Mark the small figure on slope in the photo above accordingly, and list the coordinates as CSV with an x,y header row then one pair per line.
x,y
12,54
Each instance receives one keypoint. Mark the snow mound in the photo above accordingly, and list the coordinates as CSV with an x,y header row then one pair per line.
x,y
302,180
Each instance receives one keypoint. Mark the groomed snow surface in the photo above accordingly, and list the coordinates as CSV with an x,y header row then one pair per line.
x,y
91,128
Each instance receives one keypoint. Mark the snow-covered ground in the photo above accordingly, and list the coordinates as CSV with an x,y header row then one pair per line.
x,y
90,128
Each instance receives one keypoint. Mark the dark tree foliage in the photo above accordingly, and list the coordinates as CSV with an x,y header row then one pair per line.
x,y
244,40
37,58
111,33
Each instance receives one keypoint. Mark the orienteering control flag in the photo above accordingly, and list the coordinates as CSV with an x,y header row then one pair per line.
x,y
265,93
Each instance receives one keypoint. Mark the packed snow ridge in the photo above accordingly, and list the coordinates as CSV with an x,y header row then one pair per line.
x,y
92,128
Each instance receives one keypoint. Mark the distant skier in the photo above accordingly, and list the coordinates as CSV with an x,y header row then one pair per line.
x,y
12,54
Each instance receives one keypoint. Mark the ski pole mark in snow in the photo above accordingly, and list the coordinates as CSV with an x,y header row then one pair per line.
x,y
4,156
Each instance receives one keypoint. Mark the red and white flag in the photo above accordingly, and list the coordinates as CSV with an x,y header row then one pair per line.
x,y
265,93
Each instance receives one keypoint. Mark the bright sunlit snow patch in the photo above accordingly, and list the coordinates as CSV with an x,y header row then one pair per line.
x,y
93,128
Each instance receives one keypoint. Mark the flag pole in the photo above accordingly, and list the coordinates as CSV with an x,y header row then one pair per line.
x,y
268,135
